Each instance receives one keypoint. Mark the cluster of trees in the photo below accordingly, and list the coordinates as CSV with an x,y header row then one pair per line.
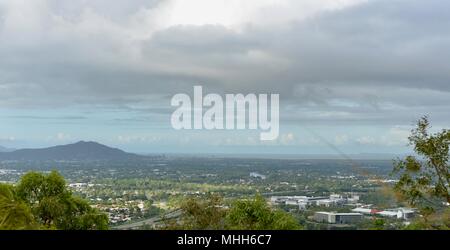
x,y
41,201
424,179
210,213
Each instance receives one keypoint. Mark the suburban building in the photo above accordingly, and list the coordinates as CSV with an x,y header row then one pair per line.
x,y
337,218
399,213
257,175
303,201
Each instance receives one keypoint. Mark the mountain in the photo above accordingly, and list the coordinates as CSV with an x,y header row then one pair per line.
x,y
5,149
78,151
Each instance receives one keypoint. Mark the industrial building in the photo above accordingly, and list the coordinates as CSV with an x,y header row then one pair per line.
x,y
303,201
398,213
337,218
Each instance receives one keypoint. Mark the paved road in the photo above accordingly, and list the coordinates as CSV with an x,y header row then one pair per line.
x,y
150,221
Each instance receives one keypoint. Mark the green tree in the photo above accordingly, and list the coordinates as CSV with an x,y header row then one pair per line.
x,y
201,214
424,180
45,200
256,214
210,213
14,213
79,215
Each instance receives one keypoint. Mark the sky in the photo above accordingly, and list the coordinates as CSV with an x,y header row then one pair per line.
x,y
353,73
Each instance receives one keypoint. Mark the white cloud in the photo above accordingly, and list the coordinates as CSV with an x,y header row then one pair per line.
x,y
366,140
7,138
287,138
138,138
235,13
395,136
60,137
63,137
341,139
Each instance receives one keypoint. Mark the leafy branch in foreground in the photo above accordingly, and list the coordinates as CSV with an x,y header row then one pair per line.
x,y
424,180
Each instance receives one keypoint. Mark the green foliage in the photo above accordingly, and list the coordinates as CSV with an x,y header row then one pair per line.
x,y
424,182
429,177
14,213
383,198
378,224
255,214
251,214
43,202
436,220
201,214
79,215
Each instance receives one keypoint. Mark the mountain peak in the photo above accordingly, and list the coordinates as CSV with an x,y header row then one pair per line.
x,y
87,142
82,150
5,149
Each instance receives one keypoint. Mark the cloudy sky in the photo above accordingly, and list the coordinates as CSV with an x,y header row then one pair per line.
x,y
353,73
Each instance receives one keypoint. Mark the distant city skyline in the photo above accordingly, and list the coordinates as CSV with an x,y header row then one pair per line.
x,y
355,74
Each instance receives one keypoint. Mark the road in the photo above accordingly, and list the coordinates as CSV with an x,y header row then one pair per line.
x,y
150,221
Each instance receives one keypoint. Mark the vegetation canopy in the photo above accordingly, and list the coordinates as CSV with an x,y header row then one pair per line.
x,y
42,201
212,213
424,179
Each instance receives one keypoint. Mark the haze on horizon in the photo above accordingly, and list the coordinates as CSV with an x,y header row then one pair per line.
x,y
353,73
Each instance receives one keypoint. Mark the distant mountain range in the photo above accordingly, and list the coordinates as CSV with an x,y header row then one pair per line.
x,y
77,151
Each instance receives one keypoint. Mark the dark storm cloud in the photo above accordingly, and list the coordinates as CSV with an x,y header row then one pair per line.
x,y
376,61
382,42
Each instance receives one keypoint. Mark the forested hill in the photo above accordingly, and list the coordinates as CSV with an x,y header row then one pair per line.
x,y
77,151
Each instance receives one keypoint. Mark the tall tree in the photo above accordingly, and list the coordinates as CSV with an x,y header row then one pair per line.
x,y
45,200
424,179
